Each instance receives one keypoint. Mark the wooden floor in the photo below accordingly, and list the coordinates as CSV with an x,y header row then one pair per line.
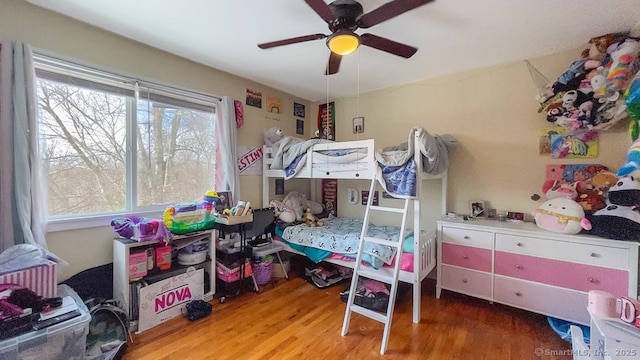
x,y
294,320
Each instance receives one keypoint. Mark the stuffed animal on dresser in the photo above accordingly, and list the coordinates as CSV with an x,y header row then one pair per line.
x,y
561,215
620,219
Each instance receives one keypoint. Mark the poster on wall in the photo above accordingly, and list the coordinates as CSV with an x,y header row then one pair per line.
x,y
254,98
298,110
574,146
299,127
274,105
544,145
573,172
249,160
327,120
165,299
330,196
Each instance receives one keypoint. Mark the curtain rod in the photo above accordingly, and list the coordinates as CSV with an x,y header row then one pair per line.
x,y
49,56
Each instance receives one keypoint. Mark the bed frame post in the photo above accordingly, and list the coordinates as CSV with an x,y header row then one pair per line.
x,y
265,179
417,263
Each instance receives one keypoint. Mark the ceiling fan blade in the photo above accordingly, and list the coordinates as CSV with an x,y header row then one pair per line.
x,y
388,11
334,64
387,45
321,8
294,40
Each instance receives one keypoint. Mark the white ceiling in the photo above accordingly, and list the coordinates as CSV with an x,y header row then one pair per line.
x,y
451,36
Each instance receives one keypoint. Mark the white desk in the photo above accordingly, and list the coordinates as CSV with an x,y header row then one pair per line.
x,y
611,339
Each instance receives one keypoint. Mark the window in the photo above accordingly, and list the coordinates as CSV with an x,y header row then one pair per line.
x,y
115,145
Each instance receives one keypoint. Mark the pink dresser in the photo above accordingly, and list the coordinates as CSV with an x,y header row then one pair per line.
x,y
520,265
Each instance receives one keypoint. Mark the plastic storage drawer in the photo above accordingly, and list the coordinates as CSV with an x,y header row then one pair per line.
x,y
66,340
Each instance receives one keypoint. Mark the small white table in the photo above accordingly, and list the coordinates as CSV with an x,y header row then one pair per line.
x,y
611,338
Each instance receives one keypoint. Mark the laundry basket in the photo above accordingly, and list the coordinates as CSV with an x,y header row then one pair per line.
x,y
262,269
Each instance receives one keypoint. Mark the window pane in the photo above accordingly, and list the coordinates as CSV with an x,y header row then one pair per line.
x,y
176,153
83,135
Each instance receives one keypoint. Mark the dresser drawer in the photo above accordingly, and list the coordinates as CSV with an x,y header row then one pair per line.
x,y
466,281
544,299
466,256
597,255
481,239
561,273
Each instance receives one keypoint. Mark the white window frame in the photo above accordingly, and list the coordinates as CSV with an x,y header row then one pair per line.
x,y
65,67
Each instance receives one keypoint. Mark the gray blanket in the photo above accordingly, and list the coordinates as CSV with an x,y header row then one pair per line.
x,y
289,148
434,149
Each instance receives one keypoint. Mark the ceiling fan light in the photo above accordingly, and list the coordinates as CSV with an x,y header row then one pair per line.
x,y
343,43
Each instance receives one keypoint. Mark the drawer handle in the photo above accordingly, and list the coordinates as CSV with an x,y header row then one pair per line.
x,y
465,257
594,281
518,266
465,281
518,293
595,254
467,237
520,244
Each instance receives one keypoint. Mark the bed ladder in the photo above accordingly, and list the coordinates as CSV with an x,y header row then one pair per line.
x,y
384,275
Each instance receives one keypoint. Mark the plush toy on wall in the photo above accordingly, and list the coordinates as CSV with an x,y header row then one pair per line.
x,y
561,215
272,136
632,162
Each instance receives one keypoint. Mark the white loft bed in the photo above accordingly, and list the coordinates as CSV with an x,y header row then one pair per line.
x,y
316,167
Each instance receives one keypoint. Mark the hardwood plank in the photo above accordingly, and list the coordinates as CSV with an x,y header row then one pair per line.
x,y
295,320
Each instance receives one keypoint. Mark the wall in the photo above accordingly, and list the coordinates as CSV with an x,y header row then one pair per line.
x,y
493,115
46,30
491,112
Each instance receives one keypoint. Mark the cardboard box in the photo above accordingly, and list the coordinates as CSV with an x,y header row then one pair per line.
x,y
165,299
41,279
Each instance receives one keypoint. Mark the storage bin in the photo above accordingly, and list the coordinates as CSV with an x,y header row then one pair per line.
x,y
66,340
232,273
41,279
276,268
263,271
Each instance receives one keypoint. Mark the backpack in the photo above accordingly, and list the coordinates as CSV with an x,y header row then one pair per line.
x,y
108,331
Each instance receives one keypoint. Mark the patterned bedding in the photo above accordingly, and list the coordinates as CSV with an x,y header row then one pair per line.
x,y
342,236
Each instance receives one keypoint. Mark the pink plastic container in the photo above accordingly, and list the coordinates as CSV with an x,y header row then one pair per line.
x,y
163,257
137,264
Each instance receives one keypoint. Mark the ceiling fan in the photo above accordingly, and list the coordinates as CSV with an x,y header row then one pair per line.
x,y
344,17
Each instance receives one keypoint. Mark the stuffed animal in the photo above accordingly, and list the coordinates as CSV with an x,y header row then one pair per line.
x,y
616,222
561,215
281,212
310,219
598,46
620,72
620,219
626,192
553,189
603,180
272,136
296,201
633,160
591,200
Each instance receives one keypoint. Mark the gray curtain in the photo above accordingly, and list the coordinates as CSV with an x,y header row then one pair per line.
x,y
21,209
227,174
